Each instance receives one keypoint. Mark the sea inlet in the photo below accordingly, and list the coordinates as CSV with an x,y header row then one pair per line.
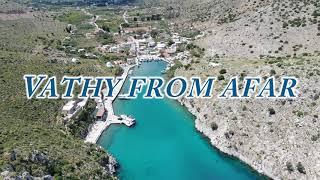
x,y
164,143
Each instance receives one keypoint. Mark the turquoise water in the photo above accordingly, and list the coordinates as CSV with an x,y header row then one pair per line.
x,y
164,144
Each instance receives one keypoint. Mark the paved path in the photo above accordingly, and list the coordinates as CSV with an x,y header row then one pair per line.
x,y
99,126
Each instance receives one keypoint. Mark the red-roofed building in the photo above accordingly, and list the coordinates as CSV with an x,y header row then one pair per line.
x,y
101,114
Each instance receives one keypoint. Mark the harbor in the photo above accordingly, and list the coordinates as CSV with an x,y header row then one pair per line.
x,y
164,143
107,104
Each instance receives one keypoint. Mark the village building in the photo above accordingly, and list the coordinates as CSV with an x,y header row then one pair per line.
x,y
90,55
152,44
114,49
131,61
109,65
172,49
81,50
69,108
74,60
119,62
153,52
161,46
101,114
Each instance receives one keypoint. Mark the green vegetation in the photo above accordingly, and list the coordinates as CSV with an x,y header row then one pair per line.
x,y
170,72
271,111
214,126
300,114
190,33
33,139
301,168
110,25
289,166
73,17
223,71
195,50
221,77
78,126
106,39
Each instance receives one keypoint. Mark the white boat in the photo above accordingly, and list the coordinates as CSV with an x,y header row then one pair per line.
x,y
123,97
128,121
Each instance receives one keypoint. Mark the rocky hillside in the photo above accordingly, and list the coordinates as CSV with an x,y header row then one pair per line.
x,y
279,137
257,38
249,29
278,28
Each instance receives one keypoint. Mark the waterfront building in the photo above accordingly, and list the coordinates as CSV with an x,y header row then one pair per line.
x,y
101,114
131,61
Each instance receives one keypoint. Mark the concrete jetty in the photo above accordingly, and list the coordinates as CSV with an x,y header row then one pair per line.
x,y
99,126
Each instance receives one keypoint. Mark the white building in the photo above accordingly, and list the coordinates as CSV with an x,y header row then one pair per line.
x,y
114,49
81,50
131,61
74,60
69,108
152,44
109,65
161,46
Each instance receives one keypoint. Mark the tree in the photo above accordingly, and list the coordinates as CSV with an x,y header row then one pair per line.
x,y
300,168
154,33
223,71
125,25
170,42
214,126
68,29
118,71
105,28
220,77
271,111
290,167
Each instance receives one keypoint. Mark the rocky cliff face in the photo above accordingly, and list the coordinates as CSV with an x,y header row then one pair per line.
x,y
279,137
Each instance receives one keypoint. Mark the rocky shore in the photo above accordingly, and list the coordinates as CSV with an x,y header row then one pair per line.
x,y
276,137
220,143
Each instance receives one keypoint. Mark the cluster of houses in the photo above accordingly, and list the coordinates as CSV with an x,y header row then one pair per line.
x,y
74,107
143,44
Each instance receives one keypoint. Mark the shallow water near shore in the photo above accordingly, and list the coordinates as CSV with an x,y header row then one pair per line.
x,y
164,144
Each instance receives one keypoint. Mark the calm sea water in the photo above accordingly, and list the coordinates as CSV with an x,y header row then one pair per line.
x,y
164,144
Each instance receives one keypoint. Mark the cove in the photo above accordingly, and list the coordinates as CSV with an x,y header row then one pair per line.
x,y
164,144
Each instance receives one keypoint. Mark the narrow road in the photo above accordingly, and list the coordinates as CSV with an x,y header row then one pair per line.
x,y
125,17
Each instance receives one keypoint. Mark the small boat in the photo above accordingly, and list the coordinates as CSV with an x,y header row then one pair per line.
x,y
127,120
123,97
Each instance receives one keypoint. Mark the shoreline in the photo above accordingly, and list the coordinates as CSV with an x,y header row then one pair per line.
x,y
201,128
206,137
205,131
99,127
